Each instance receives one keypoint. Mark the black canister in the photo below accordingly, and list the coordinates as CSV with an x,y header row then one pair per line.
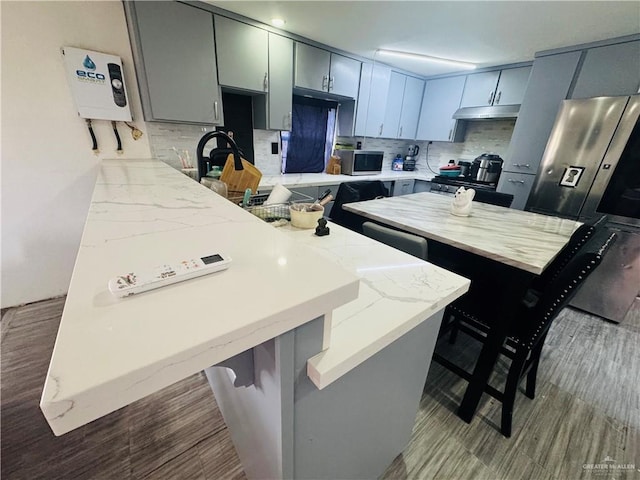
x,y
465,168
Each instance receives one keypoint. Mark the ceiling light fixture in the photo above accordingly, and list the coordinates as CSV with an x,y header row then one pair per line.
x,y
427,58
277,22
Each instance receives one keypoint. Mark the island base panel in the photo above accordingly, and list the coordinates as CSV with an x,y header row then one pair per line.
x,y
284,427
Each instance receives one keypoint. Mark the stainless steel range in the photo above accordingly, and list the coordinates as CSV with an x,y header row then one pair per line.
x,y
449,185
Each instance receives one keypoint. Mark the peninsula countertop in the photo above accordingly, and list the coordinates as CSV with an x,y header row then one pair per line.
x,y
110,352
524,240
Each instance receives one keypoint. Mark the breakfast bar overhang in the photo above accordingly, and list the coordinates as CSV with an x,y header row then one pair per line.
x,y
316,348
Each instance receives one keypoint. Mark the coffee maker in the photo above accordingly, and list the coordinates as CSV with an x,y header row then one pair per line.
x,y
410,158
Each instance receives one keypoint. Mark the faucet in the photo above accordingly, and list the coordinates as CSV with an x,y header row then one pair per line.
x,y
237,161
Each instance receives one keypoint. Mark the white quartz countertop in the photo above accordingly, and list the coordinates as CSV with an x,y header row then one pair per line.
x,y
110,352
397,293
321,179
524,240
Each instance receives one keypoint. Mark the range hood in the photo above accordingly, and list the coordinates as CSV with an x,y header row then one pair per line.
x,y
485,113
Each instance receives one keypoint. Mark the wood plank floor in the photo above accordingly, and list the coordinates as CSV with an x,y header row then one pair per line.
x,y
587,408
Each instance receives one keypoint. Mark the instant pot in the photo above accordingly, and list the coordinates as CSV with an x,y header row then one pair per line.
x,y
487,168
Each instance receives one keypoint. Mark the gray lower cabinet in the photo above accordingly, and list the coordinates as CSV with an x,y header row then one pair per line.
x,y
420,186
403,187
174,49
280,96
242,51
441,99
372,100
611,70
517,184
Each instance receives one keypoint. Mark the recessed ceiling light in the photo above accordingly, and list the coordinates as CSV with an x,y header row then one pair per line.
x,y
277,22
427,58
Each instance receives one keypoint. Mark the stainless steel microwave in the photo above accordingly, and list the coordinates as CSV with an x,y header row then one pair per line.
x,y
360,162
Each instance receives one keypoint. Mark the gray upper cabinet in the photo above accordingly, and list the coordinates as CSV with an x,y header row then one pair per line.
x,y
312,67
280,94
479,89
372,100
504,87
609,71
323,71
344,76
391,123
441,99
175,53
411,103
511,86
243,55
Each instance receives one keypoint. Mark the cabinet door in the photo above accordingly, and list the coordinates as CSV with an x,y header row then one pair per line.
x,y
480,89
411,103
609,71
393,109
511,86
312,67
177,47
517,184
421,186
242,53
549,84
372,100
441,100
403,187
280,95
344,77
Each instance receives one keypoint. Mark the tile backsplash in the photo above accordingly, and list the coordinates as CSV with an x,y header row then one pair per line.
x,y
485,136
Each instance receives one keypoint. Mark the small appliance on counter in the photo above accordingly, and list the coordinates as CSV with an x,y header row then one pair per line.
x,y
487,168
397,164
360,162
409,163
465,168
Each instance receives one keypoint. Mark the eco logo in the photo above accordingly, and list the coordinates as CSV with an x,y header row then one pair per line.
x,y
608,465
89,75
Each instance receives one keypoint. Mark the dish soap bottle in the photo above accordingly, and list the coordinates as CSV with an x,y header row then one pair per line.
x,y
397,163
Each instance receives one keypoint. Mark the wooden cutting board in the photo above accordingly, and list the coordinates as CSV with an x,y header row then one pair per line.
x,y
239,180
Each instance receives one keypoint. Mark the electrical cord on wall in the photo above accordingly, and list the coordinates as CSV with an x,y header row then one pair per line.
x,y
94,141
135,133
429,166
115,132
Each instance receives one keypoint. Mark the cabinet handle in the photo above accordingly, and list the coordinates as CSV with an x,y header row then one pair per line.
x,y
380,132
400,131
450,133
290,120
498,97
511,180
265,83
331,83
521,165
325,78
490,101
215,110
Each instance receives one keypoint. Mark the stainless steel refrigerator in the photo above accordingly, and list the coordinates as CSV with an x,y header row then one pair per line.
x,y
591,167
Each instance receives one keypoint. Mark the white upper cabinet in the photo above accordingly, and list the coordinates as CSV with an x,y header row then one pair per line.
x,y
280,96
243,55
372,100
176,47
504,87
411,103
323,71
441,99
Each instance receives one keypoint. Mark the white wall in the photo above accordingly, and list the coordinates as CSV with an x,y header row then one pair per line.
x,y
48,168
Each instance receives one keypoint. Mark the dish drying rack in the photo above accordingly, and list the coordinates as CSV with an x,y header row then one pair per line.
x,y
275,211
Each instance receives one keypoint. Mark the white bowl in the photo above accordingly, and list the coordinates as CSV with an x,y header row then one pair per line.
x,y
300,218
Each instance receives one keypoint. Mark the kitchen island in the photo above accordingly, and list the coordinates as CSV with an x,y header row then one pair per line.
x,y
306,370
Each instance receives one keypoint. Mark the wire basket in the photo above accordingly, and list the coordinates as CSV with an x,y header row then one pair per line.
x,y
277,211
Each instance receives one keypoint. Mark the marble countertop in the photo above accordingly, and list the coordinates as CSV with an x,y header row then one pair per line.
x,y
321,179
397,293
110,352
524,240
